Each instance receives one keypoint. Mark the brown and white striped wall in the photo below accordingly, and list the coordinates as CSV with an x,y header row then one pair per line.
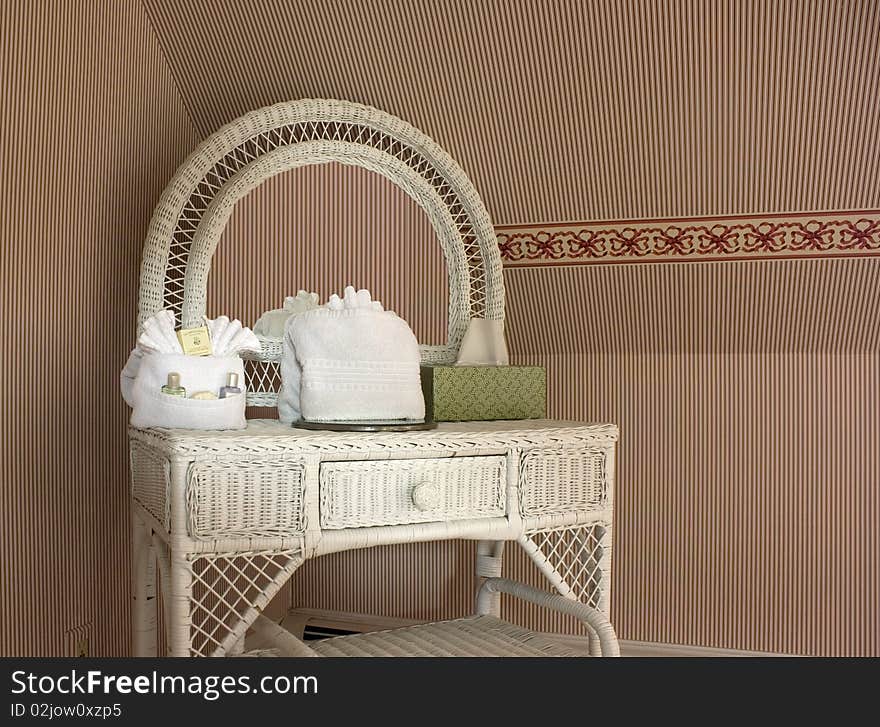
x,y
687,204
91,129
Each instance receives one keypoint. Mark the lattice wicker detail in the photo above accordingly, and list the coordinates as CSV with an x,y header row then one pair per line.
x,y
150,481
196,205
228,591
262,381
576,560
245,499
563,480
396,492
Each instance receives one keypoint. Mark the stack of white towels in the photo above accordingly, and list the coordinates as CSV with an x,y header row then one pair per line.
x,y
350,360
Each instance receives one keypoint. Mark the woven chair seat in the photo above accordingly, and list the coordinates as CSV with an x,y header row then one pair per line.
x,y
474,636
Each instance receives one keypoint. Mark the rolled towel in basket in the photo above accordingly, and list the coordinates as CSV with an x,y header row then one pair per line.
x,y
350,361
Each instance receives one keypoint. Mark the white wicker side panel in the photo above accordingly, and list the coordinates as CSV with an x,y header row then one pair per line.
x,y
150,482
567,501
245,499
557,481
397,492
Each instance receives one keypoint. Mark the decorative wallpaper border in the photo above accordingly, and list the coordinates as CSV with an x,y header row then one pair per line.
x,y
831,234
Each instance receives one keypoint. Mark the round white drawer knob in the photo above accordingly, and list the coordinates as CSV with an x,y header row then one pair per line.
x,y
426,496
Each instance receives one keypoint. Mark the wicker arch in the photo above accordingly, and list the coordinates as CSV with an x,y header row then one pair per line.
x,y
196,205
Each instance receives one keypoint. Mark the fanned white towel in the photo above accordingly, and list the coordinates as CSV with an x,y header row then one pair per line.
x,y
350,361
272,323
158,353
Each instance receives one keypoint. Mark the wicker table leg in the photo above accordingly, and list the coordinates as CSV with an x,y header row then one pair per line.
x,y
179,606
144,601
577,562
489,561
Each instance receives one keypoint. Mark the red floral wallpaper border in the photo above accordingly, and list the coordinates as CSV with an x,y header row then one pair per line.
x,y
711,238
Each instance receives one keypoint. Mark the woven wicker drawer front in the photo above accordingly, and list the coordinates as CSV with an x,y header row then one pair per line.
x,y
562,481
398,492
150,481
245,499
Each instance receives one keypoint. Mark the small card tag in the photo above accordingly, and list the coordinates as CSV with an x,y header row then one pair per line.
x,y
195,341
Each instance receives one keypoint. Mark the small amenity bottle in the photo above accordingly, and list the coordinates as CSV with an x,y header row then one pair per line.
x,y
173,387
232,388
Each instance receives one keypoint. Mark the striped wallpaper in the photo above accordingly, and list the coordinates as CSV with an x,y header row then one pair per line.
x,y
747,397
746,391
321,228
747,501
90,131
566,111
767,306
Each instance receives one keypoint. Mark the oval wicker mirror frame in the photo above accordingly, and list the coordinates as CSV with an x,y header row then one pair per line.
x,y
196,205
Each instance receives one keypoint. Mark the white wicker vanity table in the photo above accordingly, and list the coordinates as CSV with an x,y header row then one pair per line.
x,y
229,516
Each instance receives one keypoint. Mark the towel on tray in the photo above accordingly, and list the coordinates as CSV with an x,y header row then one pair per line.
x,y
350,360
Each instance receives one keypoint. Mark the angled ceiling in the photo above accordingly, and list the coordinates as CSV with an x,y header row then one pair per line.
x,y
572,111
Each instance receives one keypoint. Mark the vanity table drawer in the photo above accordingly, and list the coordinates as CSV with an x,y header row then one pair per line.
x,y
399,492
563,481
245,499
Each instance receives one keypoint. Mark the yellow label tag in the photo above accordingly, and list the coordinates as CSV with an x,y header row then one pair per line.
x,y
195,341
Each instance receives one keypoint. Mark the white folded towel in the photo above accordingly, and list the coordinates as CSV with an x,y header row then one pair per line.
x,y
159,353
272,323
350,361
483,344
152,408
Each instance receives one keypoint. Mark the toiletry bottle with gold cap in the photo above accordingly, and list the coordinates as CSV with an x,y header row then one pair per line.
x,y
173,387
232,388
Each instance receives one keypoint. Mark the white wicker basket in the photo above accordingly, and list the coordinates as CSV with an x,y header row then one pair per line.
x,y
196,205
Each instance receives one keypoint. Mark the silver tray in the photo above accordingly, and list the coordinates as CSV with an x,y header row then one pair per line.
x,y
378,425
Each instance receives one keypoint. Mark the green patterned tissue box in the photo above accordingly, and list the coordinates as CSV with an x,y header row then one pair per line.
x,y
481,393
